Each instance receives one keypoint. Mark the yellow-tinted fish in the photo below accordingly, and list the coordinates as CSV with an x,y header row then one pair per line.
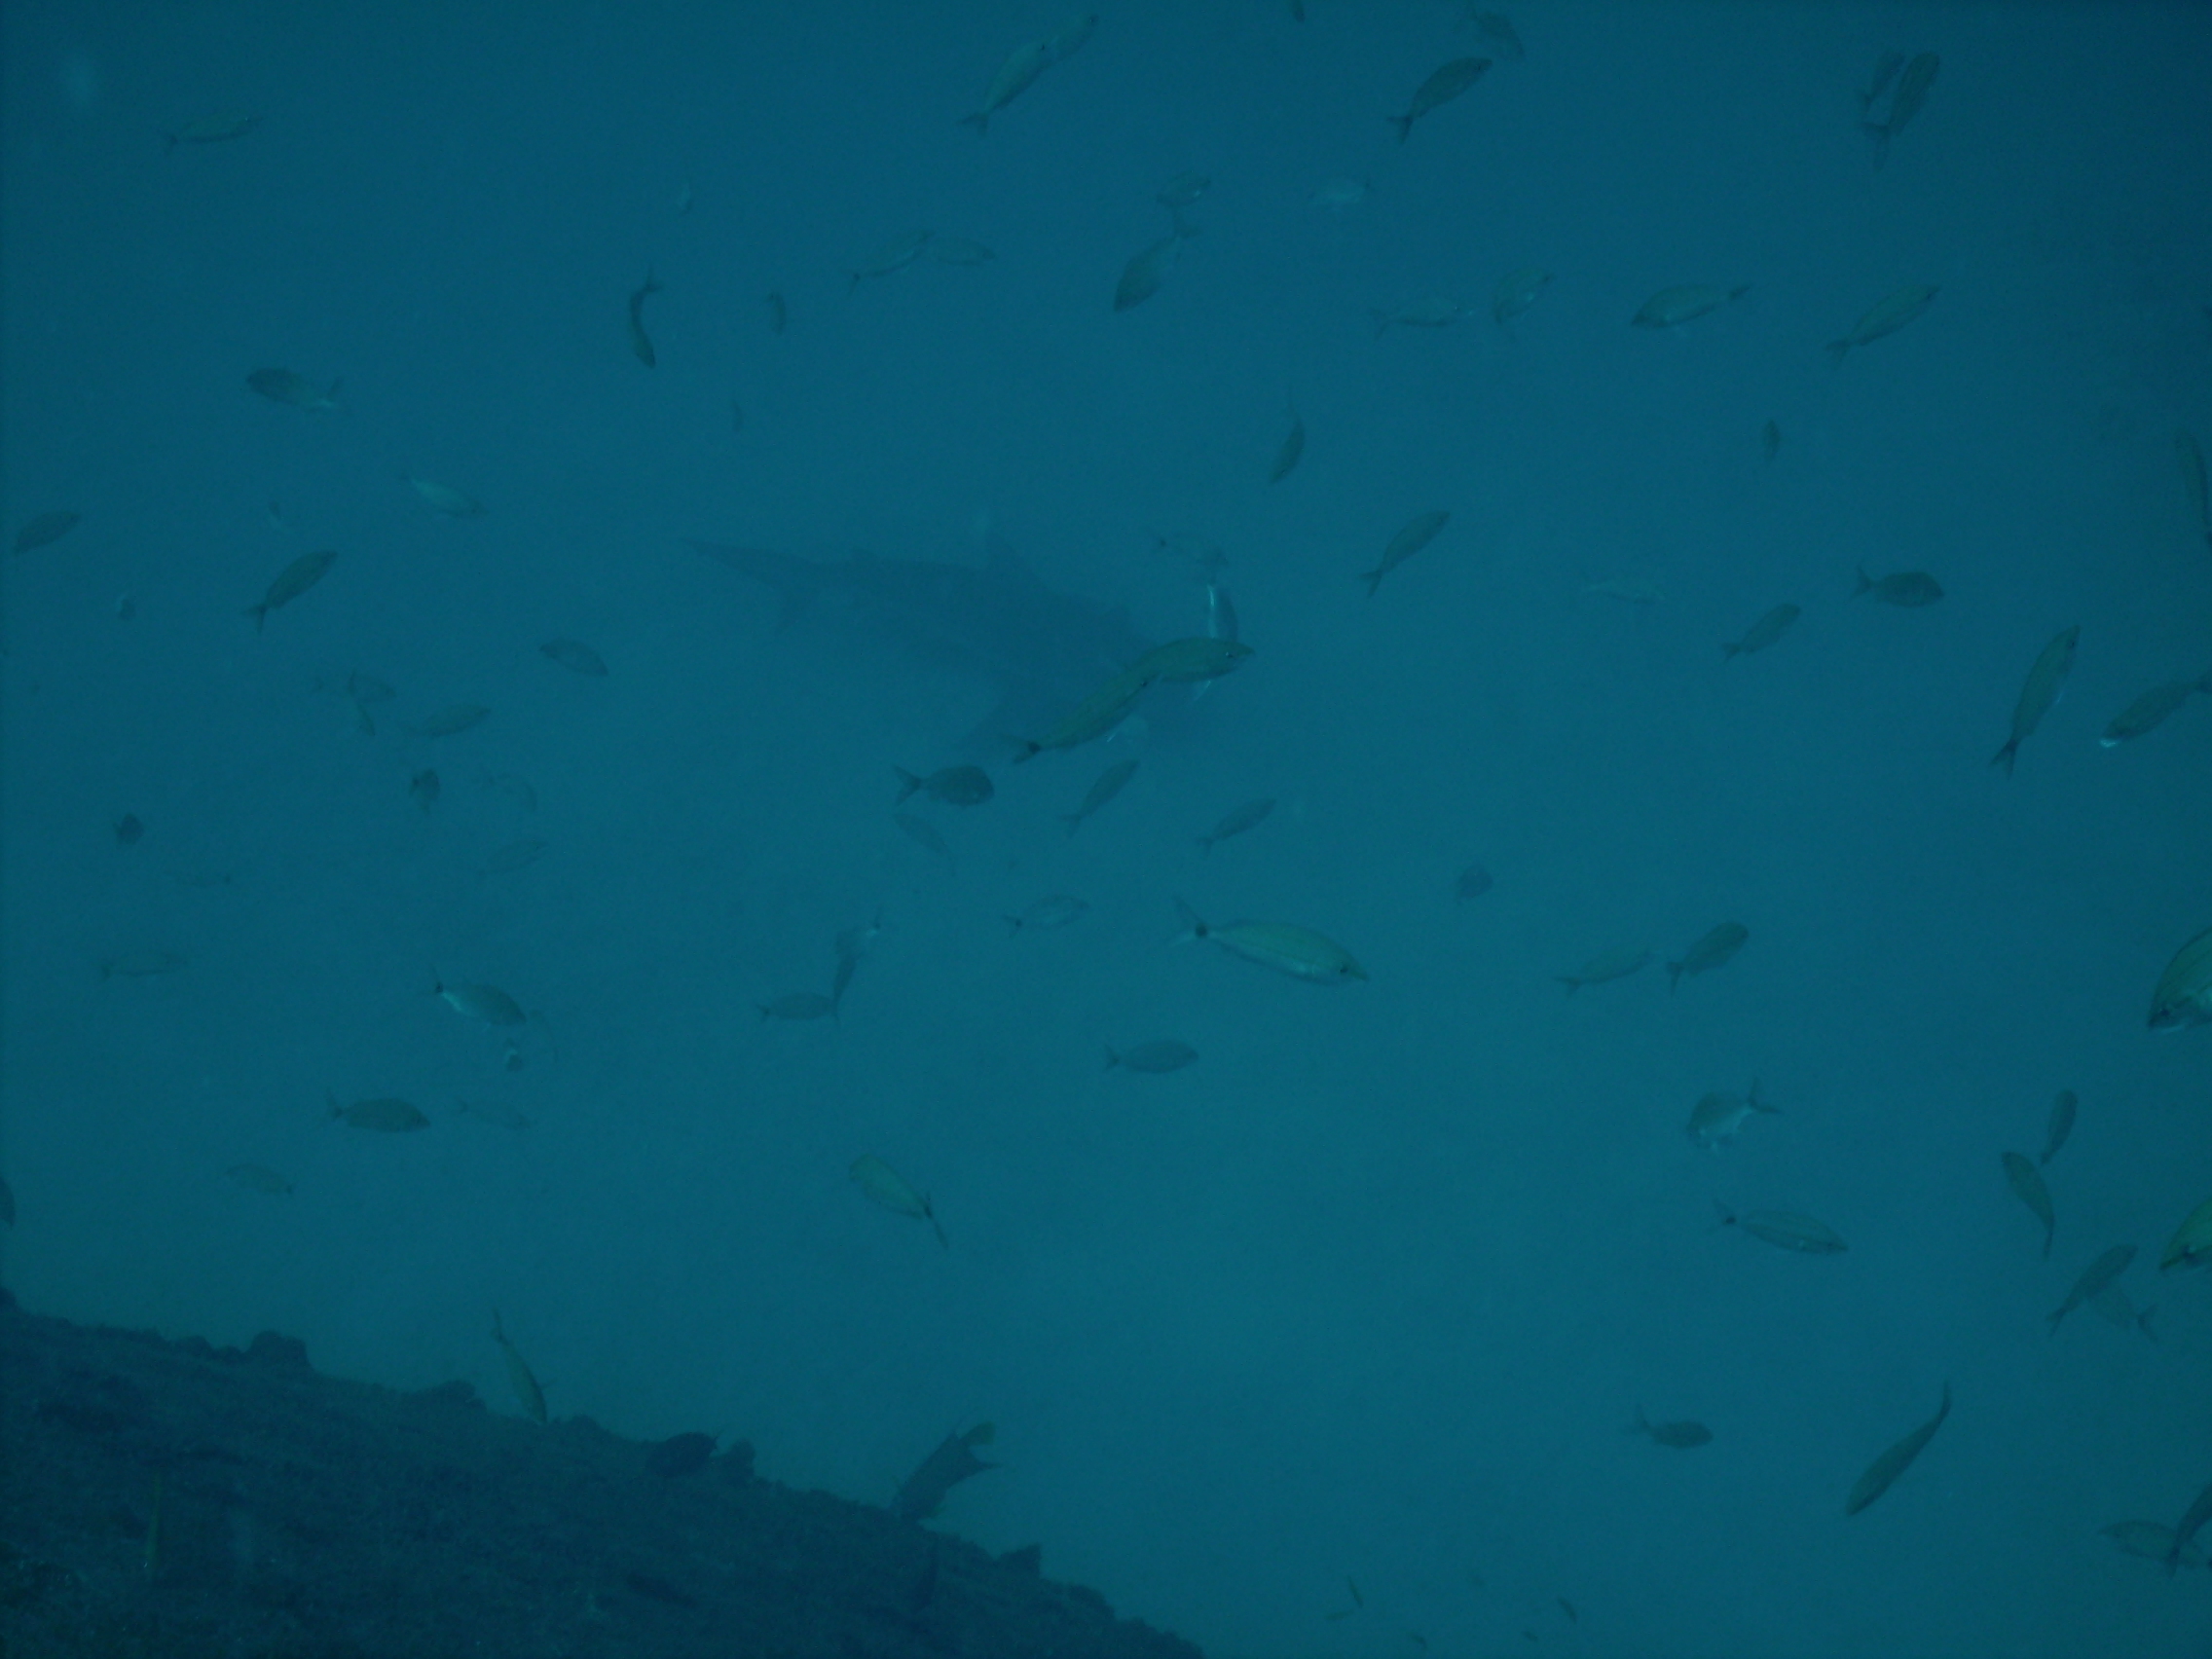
x,y
2034,1194
1670,307
2183,995
2045,683
1300,952
519,1377
1789,1231
1442,86
1896,1461
294,579
1888,315
888,1188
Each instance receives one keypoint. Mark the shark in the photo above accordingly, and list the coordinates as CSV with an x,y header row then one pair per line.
x,y
1040,650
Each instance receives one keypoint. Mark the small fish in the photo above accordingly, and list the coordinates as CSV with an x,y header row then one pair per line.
x,y
1716,949
1022,65
1904,103
1888,314
2094,1277
2151,1540
444,498
1516,291
2183,996
888,1188
282,386
45,530
1785,1231
1473,882
1443,85
577,655
386,1116
294,579
1426,310
1906,589
216,129
955,785
1717,1119
486,1003
424,788
954,1460
641,346
2059,1124
799,1005
140,963
452,720
259,1178
1615,964
2193,479
1164,1056
1145,271
519,1377
1109,785
2046,684
1669,308
2034,1194
1885,1468
1763,633
2151,709
923,834
2191,1242
1235,822
1055,910
897,254
1412,535
1300,952
1179,660
1683,1436
1287,453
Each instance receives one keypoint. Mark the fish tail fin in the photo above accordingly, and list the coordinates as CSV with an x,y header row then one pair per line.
x,y
907,783
1193,926
1024,749
2004,756
1866,583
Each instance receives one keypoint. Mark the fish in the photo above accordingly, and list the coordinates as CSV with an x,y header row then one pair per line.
x,y
641,346
888,1188
444,498
799,1005
1717,1119
1167,1055
1109,785
1516,291
130,829
519,1375
2034,1194
282,386
1906,589
386,1116
1685,1436
1036,650
1763,633
2094,1277
1426,310
1669,308
1472,883
2059,1124
2046,684
2151,709
452,720
1443,85
1016,76
2200,1512
1789,1231
1145,271
2192,480
1412,535
2183,995
1716,949
2153,1540
294,579
486,1003
897,254
1904,103
1287,452
1191,660
923,834
1887,316
1885,1468
1235,822
577,655
1300,952
954,785
1615,964
45,530
259,1178
1053,911
140,963
217,128
1495,31
1886,68
954,1460
2191,1242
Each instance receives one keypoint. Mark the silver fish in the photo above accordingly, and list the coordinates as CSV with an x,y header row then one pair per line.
x,y
1300,952
1885,1468
2046,684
